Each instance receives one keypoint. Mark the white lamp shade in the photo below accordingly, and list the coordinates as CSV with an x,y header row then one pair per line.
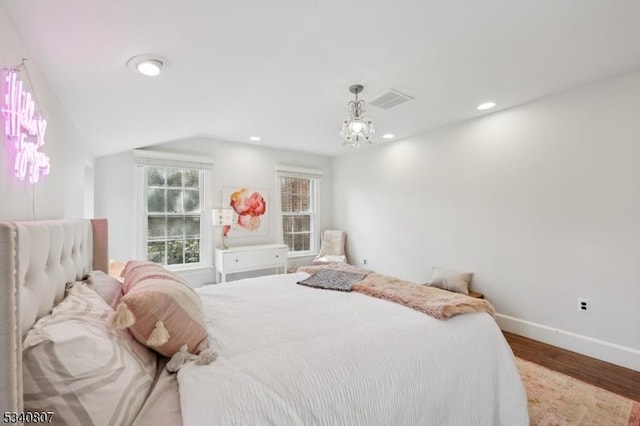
x,y
222,217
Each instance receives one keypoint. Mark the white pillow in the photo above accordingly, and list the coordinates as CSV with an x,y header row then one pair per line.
x,y
451,280
84,372
107,286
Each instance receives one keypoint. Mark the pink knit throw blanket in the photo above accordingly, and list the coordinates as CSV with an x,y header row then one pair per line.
x,y
438,303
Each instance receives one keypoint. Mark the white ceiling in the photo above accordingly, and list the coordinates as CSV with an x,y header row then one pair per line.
x,y
281,69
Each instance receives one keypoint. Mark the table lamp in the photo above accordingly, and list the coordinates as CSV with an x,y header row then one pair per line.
x,y
223,218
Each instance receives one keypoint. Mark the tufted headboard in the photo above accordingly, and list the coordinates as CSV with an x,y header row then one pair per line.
x,y
37,259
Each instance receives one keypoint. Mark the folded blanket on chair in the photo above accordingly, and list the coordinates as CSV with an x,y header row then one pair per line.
x,y
435,302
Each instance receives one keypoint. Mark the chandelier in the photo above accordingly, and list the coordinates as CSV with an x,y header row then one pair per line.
x,y
357,128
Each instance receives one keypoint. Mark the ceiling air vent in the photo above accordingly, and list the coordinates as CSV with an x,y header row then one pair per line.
x,y
390,99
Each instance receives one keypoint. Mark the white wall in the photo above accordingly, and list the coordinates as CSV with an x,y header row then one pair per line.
x,y
541,202
236,165
61,193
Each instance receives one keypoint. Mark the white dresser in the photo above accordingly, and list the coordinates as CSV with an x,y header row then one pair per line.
x,y
250,258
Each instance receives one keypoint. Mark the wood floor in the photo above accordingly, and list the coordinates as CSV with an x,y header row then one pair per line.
x,y
622,381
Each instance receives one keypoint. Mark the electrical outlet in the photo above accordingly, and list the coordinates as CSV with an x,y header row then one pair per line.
x,y
584,305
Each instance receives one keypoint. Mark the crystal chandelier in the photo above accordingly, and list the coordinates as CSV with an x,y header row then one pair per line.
x,y
357,128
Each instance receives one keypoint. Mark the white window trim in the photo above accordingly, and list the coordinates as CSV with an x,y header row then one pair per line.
x,y
316,176
144,158
171,159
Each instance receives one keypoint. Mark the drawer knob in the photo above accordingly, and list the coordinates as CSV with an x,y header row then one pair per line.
x,y
277,255
236,260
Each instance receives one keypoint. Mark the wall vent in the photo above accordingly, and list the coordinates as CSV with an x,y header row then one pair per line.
x,y
390,99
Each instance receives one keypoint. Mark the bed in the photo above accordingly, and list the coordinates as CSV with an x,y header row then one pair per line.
x,y
286,354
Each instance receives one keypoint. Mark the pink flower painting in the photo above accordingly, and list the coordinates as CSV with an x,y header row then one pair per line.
x,y
250,207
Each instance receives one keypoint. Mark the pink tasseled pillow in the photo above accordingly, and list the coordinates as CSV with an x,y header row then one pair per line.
x,y
164,313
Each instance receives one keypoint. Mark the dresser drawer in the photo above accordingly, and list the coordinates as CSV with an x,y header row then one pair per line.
x,y
248,260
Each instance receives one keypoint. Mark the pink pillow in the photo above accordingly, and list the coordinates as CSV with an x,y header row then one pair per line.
x,y
162,312
140,270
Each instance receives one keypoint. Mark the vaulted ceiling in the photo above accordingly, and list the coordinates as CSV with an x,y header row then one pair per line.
x,y
281,69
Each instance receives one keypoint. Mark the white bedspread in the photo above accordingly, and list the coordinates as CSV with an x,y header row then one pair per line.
x,y
294,355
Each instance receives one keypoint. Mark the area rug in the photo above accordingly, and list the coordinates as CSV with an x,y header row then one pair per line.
x,y
557,399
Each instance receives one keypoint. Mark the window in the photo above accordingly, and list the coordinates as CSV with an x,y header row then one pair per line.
x,y
298,190
173,215
297,211
171,223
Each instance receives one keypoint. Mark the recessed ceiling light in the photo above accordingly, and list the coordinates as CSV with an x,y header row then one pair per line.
x,y
255,138
150,67
486,105
388,136
148,64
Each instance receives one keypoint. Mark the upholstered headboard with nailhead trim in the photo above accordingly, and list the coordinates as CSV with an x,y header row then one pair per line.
x,y
37,259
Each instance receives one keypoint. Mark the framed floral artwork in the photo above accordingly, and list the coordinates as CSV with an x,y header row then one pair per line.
x,y
250,210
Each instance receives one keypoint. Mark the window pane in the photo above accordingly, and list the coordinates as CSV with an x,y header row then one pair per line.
x,y
191,201
306,223
192,226
155,251
287,224
298,243
156,227
174,177
305,241
288,240
192,251
285,184
175,252
192,178
305,198
295,203
175,227
174,201
285,201
155,176
297,224
155,200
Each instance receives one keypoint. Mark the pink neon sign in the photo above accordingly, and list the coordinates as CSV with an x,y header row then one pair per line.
x,y
24,129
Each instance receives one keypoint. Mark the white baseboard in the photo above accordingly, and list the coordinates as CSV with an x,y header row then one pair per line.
x,y
605,351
